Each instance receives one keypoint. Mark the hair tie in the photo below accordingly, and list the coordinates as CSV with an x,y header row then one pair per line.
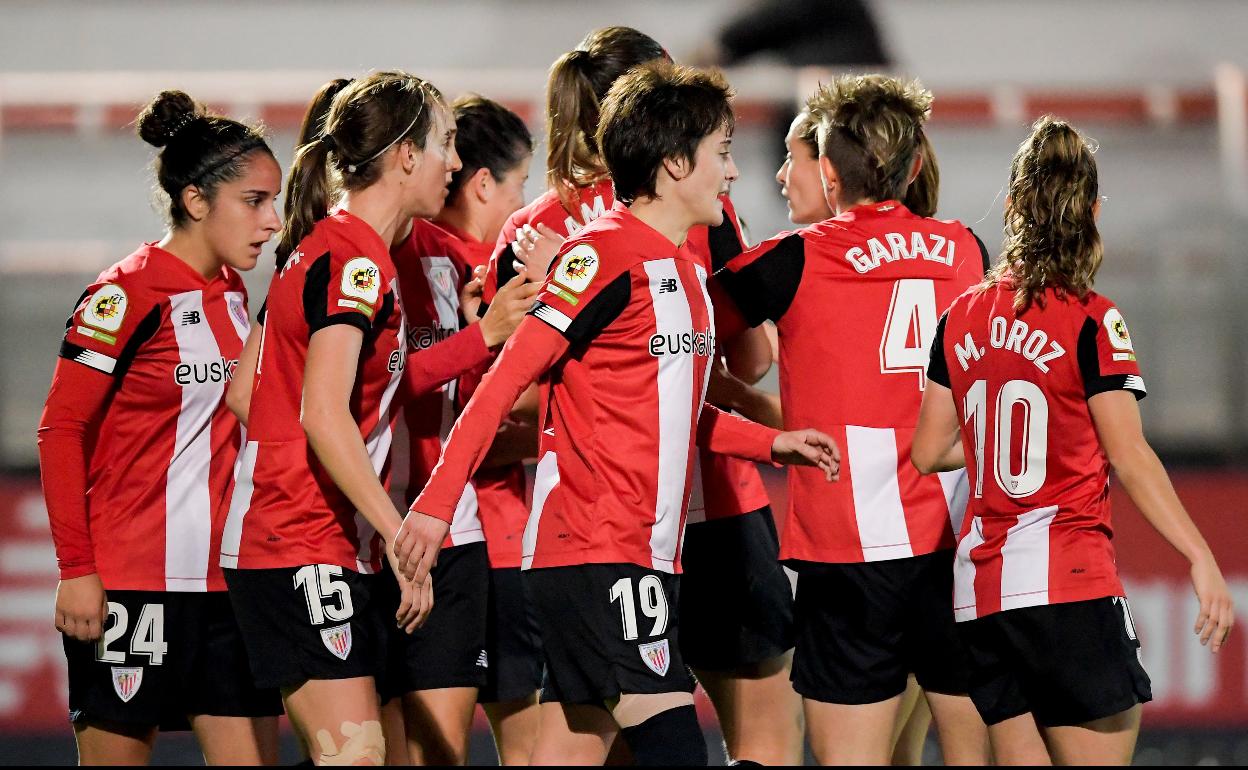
x,y
329,141
182,122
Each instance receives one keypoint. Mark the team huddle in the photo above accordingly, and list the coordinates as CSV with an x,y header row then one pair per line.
x,y
217,469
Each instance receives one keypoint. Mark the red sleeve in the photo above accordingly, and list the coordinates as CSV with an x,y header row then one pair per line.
x,y
728,434
533,349
432,367
75,405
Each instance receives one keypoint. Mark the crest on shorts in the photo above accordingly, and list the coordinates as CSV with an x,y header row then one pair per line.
x,y
656,656
126,682
337,640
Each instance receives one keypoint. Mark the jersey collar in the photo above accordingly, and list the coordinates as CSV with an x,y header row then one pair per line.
x,y
647,242
176,264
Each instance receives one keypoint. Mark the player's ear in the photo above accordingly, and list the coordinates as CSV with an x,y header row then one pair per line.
x,y
409,156
483,185
677,168
831,181
915,167
194,203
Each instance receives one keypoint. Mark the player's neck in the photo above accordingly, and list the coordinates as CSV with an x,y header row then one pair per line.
x,y
670,219
379,206
190,250
463,220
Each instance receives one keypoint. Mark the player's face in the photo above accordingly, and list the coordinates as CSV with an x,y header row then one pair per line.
x,y
713,173
434,166
508,195
243,216
799,179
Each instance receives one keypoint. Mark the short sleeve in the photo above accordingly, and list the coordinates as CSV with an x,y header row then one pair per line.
x,y
763,280
108,326
344,290
725,240
938,367
581,298
1107,356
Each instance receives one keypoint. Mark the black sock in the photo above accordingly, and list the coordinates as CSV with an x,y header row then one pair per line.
x,y
671,738
744,763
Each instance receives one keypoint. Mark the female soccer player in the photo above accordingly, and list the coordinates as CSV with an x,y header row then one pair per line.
x,y
621,339
739,625
803,191
137,452
480,642
873,557
310,513
1038,375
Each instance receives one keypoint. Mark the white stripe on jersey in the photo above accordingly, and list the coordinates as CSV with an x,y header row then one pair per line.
x,y
378,442
964,572
95,360
672,316
872,454
544,481
443,282
244,486
555,318
1025,560
188,501
957,488
697,498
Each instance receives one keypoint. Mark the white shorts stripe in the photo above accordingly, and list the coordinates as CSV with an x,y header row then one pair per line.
x,y
188,501
1025,560
544,482
872,463
672,316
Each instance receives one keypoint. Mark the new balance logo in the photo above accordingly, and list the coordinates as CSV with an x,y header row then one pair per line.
x,y
668,285
189,318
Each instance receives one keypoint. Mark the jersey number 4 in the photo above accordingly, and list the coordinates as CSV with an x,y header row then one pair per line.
x,y
651,598
909,328
1016,398
148,637
318,582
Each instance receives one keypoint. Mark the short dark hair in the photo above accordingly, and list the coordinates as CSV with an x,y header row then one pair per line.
x,y
489,136
658,111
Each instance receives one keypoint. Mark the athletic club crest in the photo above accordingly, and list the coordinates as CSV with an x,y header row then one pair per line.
x,y
338,640
656,656
126,682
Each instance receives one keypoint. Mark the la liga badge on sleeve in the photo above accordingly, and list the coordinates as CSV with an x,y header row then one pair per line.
x,y
577,268
106,309
361,278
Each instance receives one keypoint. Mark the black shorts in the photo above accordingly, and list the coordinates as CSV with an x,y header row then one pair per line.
x,y
736,603
318,621
607,630
513,644
164,656
1066,664
862,628
449,649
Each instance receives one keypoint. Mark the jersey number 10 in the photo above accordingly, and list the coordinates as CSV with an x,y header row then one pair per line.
x,y
1033,442
909,328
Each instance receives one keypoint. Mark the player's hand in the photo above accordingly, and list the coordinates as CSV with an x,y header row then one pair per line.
x,y
808,447
81,607
512,301
1216,609
417,544
470,296
535,249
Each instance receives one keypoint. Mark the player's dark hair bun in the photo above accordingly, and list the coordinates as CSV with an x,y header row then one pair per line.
x,y
166,116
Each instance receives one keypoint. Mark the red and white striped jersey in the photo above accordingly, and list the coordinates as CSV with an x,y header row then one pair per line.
x,y
622,393
159,444
727,486
856,300
286,510
1039,532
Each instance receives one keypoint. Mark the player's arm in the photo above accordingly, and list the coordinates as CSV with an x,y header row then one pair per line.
x,y
728,434
747,349
1113,385
238,394
533,349
438,364
937,444
728,392
763,281
514,442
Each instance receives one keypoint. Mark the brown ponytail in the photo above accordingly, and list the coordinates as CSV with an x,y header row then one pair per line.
x,y
579,81
1051,240
366,119
923,194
